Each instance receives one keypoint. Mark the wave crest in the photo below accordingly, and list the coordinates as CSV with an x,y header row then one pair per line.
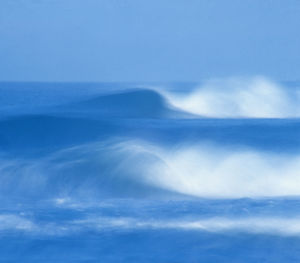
x,y
214,172
237,98
136,168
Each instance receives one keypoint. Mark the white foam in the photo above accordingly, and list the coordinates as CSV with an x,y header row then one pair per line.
x,y
210,171
15,222
255,97
258,225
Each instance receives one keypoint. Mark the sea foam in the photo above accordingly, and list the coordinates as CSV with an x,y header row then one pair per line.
x,y
256,97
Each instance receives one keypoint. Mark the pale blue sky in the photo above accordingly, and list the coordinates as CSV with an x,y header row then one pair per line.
x,y
155,40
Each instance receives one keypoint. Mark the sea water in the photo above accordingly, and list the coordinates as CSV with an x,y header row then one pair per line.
x,y
150,172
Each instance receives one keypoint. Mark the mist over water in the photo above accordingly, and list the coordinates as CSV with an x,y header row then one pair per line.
x,y
213,164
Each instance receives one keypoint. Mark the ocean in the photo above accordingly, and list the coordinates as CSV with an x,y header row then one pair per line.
x,y
150,172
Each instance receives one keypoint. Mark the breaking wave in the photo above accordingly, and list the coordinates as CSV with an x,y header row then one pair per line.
x,y
212,171
136,168
256,97
238,98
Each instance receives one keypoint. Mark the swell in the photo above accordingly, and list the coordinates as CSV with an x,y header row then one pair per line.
x,y
131,103
43,134
36,135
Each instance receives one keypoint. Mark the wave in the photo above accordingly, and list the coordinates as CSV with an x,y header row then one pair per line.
x,y
90,171
216,172
256,97
238,98
139,169
131,103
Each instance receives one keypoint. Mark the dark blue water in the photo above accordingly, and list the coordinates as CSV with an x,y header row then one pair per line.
x,y
150,173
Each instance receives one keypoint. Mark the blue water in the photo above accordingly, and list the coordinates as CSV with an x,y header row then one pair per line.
x,y
150,172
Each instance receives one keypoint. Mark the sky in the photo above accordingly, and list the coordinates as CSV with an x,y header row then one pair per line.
x,y
143,40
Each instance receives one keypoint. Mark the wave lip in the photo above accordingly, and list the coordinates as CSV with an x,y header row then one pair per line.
x,y
239,98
